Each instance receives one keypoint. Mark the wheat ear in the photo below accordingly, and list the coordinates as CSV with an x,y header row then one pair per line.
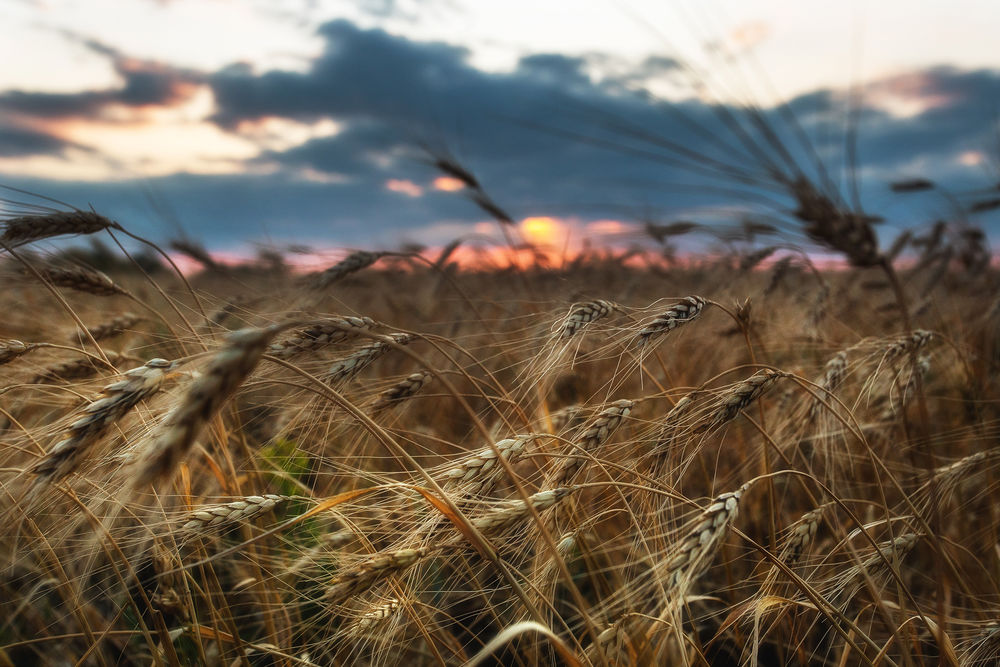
x,y
402,390
743,395
679,313
12,349
478,473
117,400
228,514
27,228
364,356
364,575
583,315
82,280
596,434
351,264
203,399
694,554
512,511
319,334
113,327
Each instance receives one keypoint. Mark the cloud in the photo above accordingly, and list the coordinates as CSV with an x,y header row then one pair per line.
x,y
17,141
144,84
555,136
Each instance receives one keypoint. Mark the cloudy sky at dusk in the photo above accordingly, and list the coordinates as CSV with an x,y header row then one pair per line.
x,y
309,121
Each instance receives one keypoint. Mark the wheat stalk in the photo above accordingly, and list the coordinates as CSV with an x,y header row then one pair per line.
x,y
363,357
203,399
583,315
116,401
227,514
402,390
320,334
679,313
365,574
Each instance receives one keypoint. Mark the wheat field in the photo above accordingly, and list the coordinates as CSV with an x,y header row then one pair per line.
x,y
616,458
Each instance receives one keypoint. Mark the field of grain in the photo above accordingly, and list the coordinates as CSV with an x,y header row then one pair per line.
x,y
731,459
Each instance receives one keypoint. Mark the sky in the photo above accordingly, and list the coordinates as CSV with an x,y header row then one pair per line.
x,y
316,123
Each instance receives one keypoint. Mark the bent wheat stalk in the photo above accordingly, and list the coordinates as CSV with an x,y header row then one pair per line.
x,y
318,335
98,417
27,228
366,574
402,390
204,398
583,315
228,514
680,313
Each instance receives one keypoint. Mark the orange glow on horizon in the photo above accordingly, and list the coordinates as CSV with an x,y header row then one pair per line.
x,y
543,230
447,184
404,187
606,227
971,158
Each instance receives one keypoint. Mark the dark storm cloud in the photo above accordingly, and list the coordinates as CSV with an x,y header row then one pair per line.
x,y
963,116
392,92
